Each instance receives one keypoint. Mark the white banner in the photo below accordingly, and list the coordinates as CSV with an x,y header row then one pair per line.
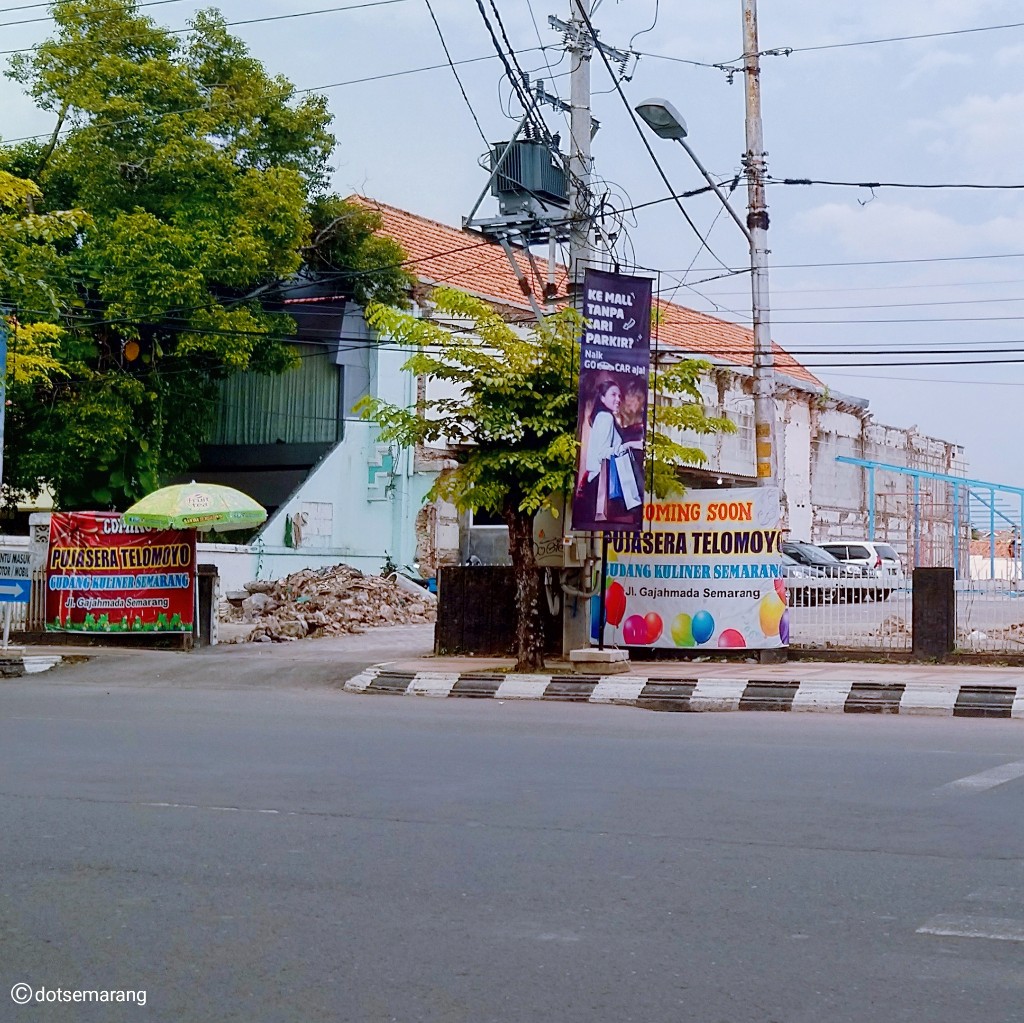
x,y
706,572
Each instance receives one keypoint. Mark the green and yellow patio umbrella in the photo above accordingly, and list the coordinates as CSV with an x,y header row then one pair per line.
x,y
202,506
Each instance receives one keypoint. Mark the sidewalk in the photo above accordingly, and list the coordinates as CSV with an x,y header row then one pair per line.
x,y
844,687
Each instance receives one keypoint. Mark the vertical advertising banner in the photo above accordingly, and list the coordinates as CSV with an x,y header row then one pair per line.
x,y
104,576
706,573
615,362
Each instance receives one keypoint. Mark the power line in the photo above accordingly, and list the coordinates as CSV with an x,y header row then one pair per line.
x,y
917,319
873,262
530,111
258,21
683,60
900,305
284,289
919,362
231,103
47,17
729,66
643,136
902,39
451,64
892,184
897,348
958,381
881,287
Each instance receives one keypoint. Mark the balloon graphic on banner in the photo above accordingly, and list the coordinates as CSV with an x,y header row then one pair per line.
x,y
614,603
731,638
780,589
784,629
655,626
634,632
682,630
770,613
703,626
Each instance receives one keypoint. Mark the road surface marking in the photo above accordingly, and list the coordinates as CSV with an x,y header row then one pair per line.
x,y
991,927
987,779
229,809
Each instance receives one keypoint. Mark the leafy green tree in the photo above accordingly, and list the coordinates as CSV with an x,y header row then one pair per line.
x,y
27,240
200,185
512,425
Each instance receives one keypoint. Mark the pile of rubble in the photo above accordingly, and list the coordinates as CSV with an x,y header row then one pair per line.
x,y
326,602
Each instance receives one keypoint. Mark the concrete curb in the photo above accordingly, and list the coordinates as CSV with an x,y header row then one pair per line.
x,y
708,694
16,666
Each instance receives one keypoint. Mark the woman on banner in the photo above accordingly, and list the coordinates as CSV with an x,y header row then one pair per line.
x,y
632,420
600,496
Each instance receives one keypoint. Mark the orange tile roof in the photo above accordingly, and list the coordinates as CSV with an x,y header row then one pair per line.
x,y
1002,548
439,254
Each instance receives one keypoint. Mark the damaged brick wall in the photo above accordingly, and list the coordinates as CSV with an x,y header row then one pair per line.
x,y
920,528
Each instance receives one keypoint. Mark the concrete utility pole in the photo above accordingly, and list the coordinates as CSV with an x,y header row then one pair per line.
x,y
3,385
757,226
576,628
580,47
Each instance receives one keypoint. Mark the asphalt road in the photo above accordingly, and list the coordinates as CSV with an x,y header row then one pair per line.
x,y
245,847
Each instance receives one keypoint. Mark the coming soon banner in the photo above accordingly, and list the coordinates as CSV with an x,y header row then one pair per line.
x,y
706,572
104,576
615,361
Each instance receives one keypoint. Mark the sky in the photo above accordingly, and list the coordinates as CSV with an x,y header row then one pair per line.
x,y
929,275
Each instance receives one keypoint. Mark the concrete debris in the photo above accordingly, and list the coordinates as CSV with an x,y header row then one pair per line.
x,y
324,602
893,625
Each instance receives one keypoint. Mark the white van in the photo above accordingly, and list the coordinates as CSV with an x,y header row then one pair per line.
x,y
879,559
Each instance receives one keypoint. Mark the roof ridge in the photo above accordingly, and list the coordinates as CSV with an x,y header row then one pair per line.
x,y
372,203
699,333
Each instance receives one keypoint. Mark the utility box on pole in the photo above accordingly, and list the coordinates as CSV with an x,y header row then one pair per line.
x,y
529,178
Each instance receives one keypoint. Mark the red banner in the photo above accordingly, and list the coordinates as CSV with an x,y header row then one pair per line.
x,y
104,576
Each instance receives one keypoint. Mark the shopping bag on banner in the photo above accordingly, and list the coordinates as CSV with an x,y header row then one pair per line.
x,y
627,480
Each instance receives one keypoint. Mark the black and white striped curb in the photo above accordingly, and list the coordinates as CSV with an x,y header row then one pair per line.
x,y
702,694
16,666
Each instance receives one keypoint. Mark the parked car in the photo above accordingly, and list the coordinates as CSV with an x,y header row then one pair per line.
x,y
879,561
807,584
848,579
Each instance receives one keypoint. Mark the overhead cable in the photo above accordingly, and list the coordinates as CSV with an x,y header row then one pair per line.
x,y
451,64
98,10
258,21
644,139
231,103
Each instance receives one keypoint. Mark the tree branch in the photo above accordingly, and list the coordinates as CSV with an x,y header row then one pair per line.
x,y
44,159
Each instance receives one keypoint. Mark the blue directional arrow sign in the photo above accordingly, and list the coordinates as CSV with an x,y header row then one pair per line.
x,y
15,591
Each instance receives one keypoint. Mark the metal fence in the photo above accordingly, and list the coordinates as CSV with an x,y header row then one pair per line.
x,y
31,617
989,617
859,614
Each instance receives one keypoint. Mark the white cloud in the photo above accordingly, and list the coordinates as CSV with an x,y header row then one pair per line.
x,y
896,231
933,61
984,132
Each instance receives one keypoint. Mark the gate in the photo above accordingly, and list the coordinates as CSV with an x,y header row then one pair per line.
x,y
476,612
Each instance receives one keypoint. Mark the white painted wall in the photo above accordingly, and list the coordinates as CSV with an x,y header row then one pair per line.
x,y
372,497
796,459
1006,568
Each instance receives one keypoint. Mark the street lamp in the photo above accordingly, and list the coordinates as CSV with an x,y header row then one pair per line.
x,y
667,123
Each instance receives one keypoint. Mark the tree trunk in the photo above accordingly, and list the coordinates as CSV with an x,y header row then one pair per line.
x,y
529,631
